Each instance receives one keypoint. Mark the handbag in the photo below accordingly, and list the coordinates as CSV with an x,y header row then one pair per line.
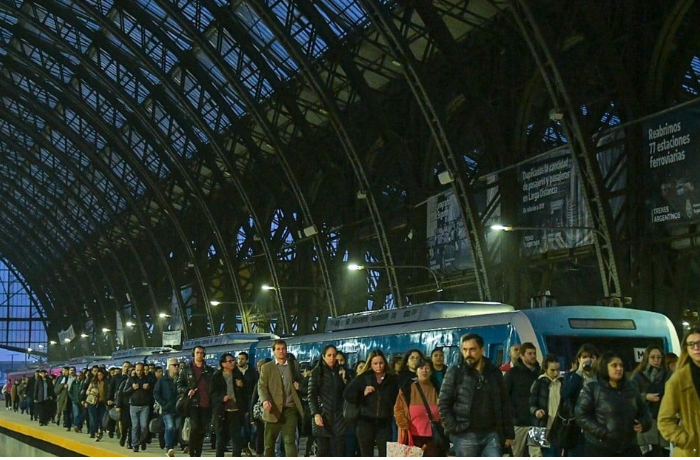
x,y
351,411
258,410
398,449
183,405
439,438
537,436
186,429
156,425
91,399
106,420
113,414
564,433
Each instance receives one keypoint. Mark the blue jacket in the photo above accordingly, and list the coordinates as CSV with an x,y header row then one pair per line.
x,y
165,393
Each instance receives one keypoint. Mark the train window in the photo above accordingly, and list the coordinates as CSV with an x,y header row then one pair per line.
x,y
495,351
597,323
627,347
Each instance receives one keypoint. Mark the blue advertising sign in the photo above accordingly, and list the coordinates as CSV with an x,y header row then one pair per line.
x,y
671,145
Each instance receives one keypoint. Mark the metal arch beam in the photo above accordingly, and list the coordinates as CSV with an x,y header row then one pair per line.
x,y
339,126
36,227
204,128
386,27
68,133
40,141
109,133
31,294
271,135
222,155
606,249
67,293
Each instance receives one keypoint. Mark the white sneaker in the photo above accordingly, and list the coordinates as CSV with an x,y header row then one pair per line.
x,y
171,453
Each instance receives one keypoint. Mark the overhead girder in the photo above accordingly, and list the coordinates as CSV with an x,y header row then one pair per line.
x,y
581,149
183,103
341,128
271,136
41,142
398,47
146,123
31,221
70,134
31,294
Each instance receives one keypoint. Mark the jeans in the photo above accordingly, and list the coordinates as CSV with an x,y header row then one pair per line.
x,y
139,424
473,444
170,435
77,414
96,411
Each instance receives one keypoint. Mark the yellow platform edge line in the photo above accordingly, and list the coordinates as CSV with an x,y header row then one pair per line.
x,y
73,446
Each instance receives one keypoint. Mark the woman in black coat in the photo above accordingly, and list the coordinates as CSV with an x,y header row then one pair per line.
x,y
375,390
326,385
545,397
611,412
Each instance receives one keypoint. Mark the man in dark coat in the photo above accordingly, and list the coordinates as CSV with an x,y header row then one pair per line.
x,y
473,404
519,380
44,396
195,381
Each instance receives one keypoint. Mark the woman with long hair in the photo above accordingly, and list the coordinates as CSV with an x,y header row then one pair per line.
x,y
409,364
374,390
411,413
545,396
679,417
611,412
98,388
650,377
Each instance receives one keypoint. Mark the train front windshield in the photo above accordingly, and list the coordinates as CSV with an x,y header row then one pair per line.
x,y
630,349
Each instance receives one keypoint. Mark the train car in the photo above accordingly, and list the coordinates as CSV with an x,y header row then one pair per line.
x,y
559,330
217,345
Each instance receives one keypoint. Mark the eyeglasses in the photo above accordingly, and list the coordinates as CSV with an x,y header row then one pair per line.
x,y
693,345
480,382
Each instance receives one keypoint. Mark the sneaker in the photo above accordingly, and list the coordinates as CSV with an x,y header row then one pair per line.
x,y
136,448
171,453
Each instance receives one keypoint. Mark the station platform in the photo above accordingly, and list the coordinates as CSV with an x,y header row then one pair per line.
x,y
24,438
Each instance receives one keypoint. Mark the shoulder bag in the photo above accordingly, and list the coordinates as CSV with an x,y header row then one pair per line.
x,y
184,402
440,440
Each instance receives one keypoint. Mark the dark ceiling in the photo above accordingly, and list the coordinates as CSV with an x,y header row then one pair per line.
x,y
159,155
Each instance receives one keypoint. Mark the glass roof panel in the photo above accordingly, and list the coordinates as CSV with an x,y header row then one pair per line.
x,y
165,23
302,30
342,16
265,42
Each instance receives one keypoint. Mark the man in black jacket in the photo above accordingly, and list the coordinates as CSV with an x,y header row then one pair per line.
x,y
195,381
229,404
519,380
139,390
473,404
44,396
250,381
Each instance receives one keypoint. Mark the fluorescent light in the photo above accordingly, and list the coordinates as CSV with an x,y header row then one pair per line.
x,y
355,267
214,303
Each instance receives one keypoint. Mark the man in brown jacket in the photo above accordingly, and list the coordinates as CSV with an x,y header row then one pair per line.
x,y
277,387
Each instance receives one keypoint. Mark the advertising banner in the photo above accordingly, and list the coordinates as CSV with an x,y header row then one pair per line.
x,y
552,205
448,245
671,144
172,338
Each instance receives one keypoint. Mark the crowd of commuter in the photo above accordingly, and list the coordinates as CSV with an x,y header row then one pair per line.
x,y
525,408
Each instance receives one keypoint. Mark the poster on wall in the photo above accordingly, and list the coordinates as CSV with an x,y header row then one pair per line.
x,y
448,246
552,205
671,147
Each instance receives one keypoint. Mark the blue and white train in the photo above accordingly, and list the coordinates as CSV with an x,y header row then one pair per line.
x,y
559,330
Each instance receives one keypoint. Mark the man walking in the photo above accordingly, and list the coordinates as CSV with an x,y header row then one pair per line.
x,y
139,390
250,381
165,393
277,388
195,380
473,404
519,380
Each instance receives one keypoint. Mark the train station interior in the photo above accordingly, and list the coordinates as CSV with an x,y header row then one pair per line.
x,y
173,170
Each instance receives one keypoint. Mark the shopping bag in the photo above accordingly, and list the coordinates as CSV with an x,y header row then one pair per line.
x,y
186,429
537,436
395,449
